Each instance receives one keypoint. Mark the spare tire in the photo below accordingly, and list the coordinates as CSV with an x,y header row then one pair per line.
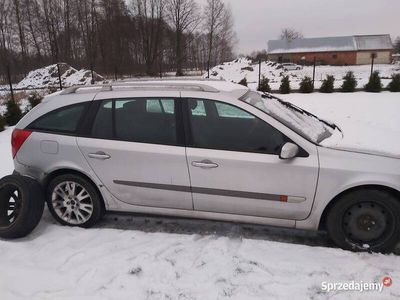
x,y
21,206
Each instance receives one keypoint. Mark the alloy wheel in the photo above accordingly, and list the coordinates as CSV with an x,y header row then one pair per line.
x,y
72,202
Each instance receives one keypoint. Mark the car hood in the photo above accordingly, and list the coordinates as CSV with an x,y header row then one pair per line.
x,y
373,141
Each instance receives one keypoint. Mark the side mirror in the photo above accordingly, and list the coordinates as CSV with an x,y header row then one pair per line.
x,y
288,151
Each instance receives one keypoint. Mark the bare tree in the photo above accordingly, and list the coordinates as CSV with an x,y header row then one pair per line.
x,y
397,45
290,34
21,32
105,34
149,14
218,26
5,26
227,37
183,16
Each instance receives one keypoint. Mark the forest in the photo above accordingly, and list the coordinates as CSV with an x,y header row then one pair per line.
x,y
115,37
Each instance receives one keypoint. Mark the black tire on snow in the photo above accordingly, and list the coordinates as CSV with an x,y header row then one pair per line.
x,y
21,206
336,220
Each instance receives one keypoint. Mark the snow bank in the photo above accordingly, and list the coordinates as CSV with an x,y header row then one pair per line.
x,y
48,76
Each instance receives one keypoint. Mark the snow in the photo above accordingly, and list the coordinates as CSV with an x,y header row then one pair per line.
x,y
48,77
237,70
369,122
141,257
306,125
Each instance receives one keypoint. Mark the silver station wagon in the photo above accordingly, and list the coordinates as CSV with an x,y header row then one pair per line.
x,y
204,149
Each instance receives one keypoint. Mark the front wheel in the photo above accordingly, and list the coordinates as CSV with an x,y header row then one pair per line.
x,y
365,220
74,201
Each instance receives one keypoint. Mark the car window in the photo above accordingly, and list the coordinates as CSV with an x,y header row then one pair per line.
x,y
228,111
227,127
102,124
137,120
198,109
61,120
160,106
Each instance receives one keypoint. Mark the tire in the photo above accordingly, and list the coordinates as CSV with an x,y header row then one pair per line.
x,y
21,206
74,201
365,220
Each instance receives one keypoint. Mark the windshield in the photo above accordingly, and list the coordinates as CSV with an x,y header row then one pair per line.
x,y
304,123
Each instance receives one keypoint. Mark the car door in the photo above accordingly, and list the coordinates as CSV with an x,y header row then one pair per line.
x,y
136,149
234,164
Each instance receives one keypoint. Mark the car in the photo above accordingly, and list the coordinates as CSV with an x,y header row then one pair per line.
x,y
291,66
205,149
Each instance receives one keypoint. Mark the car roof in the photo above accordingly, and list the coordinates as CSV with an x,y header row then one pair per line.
x,y
193,85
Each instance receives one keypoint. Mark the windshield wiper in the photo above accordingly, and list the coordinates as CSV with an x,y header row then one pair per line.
x,y
300,110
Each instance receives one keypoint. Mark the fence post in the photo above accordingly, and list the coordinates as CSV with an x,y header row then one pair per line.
x,y
10,83
313,73
91,71
372,62
259,74
161,61
59,76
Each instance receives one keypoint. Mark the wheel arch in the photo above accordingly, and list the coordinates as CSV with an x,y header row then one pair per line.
x,y
322,222
65,171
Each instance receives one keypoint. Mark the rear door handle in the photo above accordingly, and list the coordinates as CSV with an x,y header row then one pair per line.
x,y
204,164
99,155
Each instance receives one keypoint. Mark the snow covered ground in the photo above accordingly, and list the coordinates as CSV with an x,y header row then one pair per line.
x,y
242,67
141,257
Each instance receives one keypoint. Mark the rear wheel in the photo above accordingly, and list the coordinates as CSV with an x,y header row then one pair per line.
x,y
365,220
74,201
21,206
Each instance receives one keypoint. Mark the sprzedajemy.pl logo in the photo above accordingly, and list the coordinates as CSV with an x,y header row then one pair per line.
x,y
359,286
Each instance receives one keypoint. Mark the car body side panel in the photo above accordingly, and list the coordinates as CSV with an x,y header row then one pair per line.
x,y
133,167
343,170
32,161
268,175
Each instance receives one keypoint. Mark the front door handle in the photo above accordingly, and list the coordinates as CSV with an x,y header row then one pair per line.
x,y
204,164
99,155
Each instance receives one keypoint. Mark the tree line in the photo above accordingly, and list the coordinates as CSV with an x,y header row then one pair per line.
x,y
115,36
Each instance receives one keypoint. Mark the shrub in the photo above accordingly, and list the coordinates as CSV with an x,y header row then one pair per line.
x,y
13,113
394,85
264,85
2,123
243,81
349,83
374,84
34,99
306,85
285,85
328,84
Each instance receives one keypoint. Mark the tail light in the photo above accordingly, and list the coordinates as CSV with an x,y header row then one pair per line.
x,y
18,138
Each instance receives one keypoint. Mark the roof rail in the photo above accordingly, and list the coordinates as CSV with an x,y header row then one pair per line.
x,y
144,85
167,79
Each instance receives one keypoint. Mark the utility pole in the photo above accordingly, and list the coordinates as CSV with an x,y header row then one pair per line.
x,y
59,76
259,74
373,55
10,83
313,73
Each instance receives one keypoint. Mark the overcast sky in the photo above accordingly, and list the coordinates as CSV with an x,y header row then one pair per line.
x,y
257,21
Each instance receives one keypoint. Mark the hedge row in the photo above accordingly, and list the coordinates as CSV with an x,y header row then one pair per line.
x,y
349,84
